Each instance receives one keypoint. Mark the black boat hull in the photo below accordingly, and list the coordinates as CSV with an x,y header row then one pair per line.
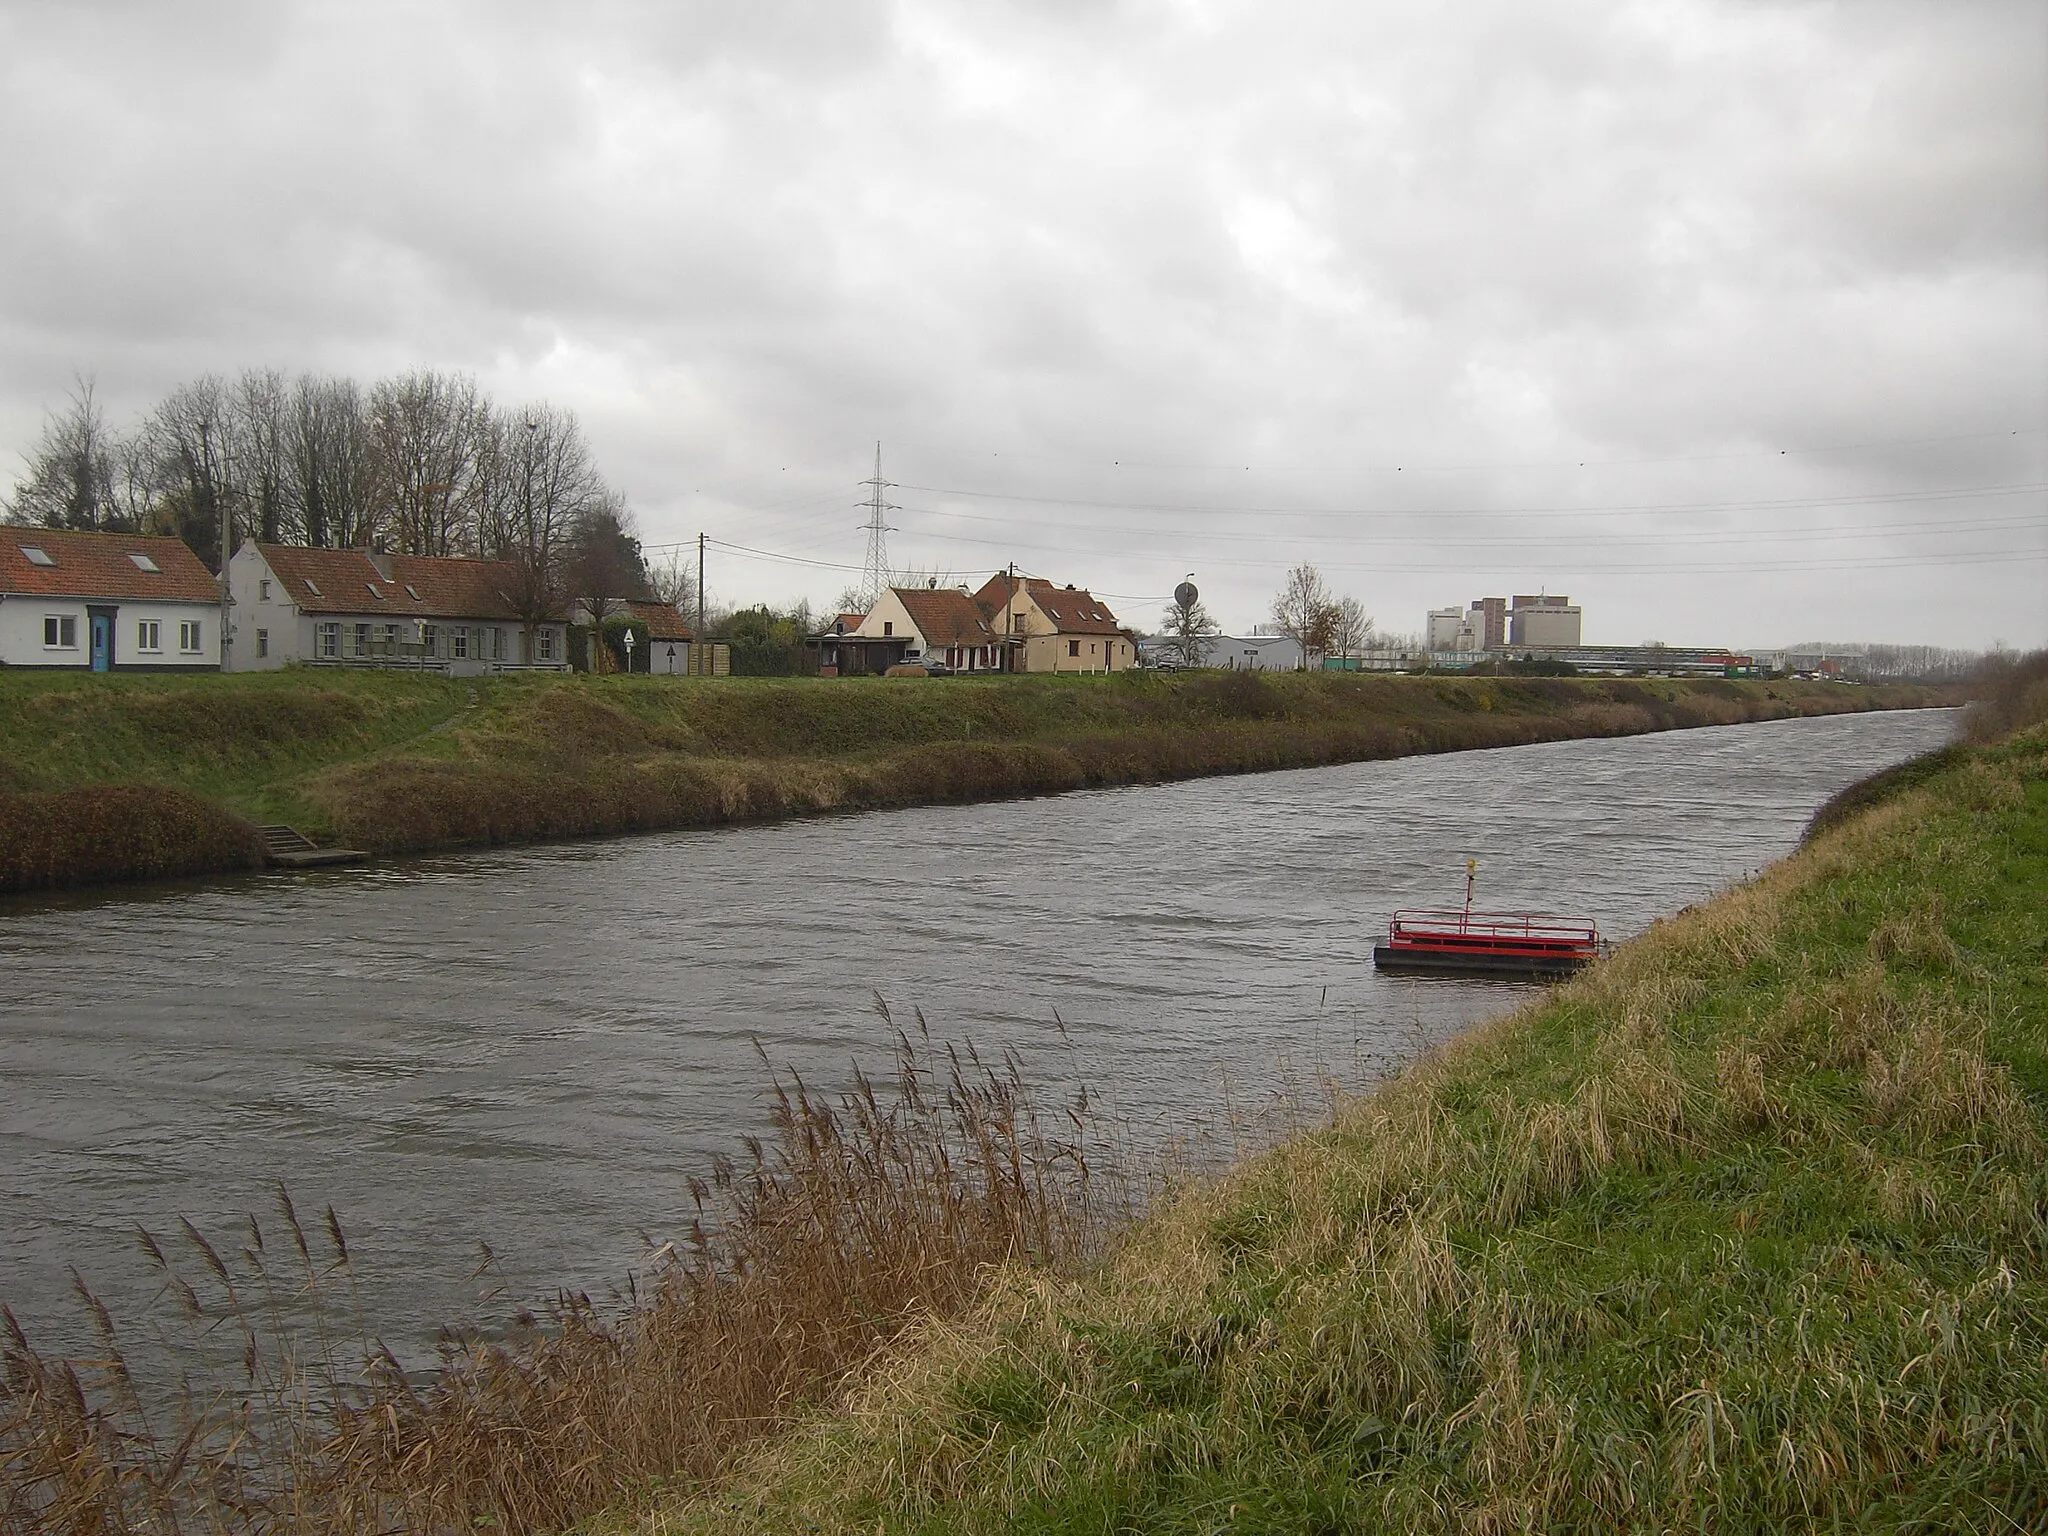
x,y
1409,961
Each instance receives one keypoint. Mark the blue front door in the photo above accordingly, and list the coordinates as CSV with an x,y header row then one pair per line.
x,y
102,642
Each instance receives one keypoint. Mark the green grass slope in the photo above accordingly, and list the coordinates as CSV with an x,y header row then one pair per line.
x,y
396,762
564,757
1746,1230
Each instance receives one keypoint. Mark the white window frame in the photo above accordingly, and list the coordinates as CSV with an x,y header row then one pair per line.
x,y
149,636
327,640
60,631
430,640
263,590
497,644
458,642
359,634
544,644
191,637
262,642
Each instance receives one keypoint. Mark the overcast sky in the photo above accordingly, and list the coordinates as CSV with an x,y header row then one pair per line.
x,y
1729,320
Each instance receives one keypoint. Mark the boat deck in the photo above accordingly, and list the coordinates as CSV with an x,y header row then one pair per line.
x,y
1487,943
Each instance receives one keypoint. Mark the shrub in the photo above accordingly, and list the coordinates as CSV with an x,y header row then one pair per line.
x,y
118,832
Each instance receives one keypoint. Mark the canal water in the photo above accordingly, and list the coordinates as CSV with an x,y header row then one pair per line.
x,y
537,1048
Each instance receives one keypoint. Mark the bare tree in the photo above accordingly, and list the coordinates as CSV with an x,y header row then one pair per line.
x,y
1350,627
674,582
1304,611
257,434
333,460
187,440
431,433
138,486
1189,629
543,485
71,474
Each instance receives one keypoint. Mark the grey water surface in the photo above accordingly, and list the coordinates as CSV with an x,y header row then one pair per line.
x,y
536,1048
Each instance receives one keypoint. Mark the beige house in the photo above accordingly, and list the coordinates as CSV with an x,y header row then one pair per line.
x,y
1055,629
911,624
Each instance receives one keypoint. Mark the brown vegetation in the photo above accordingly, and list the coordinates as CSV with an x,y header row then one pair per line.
x,y
2008,694
858,1219
118,832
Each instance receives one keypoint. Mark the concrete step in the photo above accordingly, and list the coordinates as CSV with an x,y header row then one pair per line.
x,y
292,849
283,839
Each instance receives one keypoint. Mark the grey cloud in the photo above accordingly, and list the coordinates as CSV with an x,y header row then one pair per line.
x,y
1037,246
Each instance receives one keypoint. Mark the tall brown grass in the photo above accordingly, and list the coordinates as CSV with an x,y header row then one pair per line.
x,y
2009,693
860,1215
118,832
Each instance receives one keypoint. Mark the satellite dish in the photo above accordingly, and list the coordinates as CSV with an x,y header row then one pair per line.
x,y
1185,594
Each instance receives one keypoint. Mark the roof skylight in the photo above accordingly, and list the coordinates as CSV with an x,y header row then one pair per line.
x,y
373,591
144,563
412,592
313,589
36,556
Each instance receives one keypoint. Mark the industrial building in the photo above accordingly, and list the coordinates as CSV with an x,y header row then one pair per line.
x,y
1543,623
1492,624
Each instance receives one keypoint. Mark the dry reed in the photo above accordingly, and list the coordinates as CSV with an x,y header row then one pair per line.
x,y
859,1216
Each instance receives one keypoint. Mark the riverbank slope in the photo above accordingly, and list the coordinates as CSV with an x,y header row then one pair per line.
x,y
1746,1229
106,778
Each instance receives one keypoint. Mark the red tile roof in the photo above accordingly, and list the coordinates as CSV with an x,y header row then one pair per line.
x,y
996,592
946,616
422,586
662,621
94,565
1073,610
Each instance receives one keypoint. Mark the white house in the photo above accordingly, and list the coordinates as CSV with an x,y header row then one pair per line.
x,y
358,607
110,602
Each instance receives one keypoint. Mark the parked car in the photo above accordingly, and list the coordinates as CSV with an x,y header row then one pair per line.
x,y
933,667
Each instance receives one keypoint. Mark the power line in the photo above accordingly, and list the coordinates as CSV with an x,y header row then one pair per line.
x,y
1754,567
1541,539
1404,467
769,554
1870,498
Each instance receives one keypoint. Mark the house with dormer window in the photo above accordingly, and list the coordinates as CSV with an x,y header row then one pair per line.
x,y
1055,629
365,608
105,602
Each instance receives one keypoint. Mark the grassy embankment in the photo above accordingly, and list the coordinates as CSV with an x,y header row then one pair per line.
x,y
1745,1230
126,777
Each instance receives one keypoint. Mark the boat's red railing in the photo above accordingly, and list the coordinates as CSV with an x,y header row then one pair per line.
x,y
1460,929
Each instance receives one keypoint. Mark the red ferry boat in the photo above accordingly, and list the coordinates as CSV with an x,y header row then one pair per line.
x,y
1487,943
